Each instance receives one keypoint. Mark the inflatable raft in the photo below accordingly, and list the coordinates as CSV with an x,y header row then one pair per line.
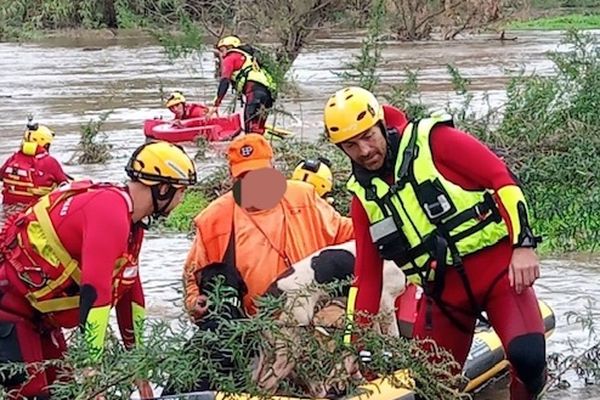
x,y
485,361
215,129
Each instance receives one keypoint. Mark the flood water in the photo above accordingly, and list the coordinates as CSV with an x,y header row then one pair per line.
x,y
64,85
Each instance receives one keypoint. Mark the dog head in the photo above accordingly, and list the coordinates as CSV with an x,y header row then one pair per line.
x,y
331,265
232,288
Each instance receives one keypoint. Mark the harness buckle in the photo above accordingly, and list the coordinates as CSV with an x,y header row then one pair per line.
x,y
371,195
479,214
24,276
437,209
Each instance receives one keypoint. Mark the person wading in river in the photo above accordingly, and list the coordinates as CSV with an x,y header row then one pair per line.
x,y
240,66
183,110
449,212
73,255
31,172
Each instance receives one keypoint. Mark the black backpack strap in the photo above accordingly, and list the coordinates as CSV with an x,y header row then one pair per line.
x,y
229,256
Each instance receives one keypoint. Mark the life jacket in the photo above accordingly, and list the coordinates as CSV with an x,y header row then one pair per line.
x,y
423,219
251,71
23,175
38,265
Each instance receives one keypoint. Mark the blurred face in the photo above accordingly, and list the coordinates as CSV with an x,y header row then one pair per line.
x,y
177,110
367,149
261,189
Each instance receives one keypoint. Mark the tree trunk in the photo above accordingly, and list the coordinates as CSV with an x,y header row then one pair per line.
x,y
110,14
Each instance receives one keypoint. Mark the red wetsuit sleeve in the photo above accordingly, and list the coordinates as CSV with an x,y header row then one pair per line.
x,y
128,311
472,165
105,239
55,169
368,267
231,63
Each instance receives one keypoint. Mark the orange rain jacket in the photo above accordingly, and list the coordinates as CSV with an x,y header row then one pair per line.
x,y
299,225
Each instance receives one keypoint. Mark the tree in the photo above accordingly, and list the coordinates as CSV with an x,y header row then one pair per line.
x,y
291,23
417,19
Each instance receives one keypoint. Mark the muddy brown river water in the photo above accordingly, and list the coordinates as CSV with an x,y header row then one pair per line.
x,y
64,86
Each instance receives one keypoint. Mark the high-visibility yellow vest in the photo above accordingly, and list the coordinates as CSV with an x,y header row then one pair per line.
x,y
409,218
250,71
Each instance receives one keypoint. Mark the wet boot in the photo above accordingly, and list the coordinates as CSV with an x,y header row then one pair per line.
x,y
518,390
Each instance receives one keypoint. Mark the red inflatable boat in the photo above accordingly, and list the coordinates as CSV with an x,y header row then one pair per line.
x,y
213,129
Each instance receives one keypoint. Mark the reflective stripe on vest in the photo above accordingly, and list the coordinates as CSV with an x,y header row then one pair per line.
x,y
20,180
422,205
40,242
250,71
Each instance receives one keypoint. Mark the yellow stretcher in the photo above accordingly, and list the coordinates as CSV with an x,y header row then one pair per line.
x,y
274,132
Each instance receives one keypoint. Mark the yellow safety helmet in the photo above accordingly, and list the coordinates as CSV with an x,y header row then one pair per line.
x,y
174,99
349,112
40,134
161,162
232,41
315,172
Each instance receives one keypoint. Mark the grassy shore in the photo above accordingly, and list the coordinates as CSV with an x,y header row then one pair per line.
x,y
563,22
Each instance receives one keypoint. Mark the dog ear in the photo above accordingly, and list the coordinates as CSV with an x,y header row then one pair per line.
x,y
209,272
198,276
333,264
243,286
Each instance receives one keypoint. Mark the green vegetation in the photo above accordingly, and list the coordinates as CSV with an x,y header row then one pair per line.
x,y
554,4
563,22
363,70
179,353
93,146
181,218
583,358
550,135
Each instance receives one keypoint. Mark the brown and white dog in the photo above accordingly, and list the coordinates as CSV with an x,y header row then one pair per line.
x,y
327,265
298,286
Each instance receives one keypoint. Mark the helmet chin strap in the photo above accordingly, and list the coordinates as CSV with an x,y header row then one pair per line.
x,y
159,211
388,163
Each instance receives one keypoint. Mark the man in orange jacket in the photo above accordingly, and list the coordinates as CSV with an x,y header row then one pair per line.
x,y
31,172
263,226
72,256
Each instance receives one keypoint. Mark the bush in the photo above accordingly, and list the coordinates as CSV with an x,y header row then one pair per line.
x,y
170,353
551,135
93,147
181,217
